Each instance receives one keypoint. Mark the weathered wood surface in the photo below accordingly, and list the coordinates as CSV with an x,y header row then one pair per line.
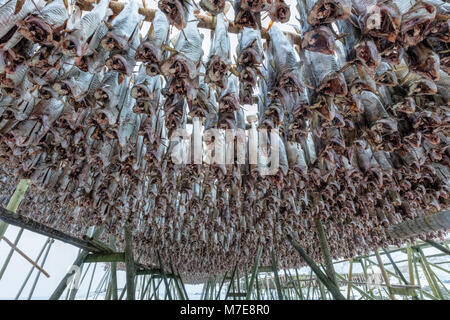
x,y
431,223
18,220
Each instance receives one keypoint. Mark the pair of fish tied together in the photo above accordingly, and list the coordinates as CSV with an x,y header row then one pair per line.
x,y
358,94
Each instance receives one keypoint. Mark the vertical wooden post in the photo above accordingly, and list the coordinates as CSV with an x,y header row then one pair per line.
x,y
277,279
129,263
331,286
113,271
324,247
63,284
350,274
231,282
384,274
11,251
32,269
397,270
42,266
14,202
254,273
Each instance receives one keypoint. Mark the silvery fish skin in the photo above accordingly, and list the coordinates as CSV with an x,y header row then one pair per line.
x,y
150,50
279,11
385,76
124,61
108,93
42,26
416,22
249,48
328,11
95,56
9,20
75,83
47,111
283,61
93,22
183,64
21,52
123,26
16,78
353,35
175,113
442,86
445,64
214,7
205,103
219,55
176,12
324,69
146,89
228,100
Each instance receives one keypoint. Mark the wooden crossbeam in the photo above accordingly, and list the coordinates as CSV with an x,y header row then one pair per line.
x,y
18,220
205,22
105,257
421,225
25,256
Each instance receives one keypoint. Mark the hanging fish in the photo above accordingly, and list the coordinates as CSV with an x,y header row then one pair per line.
x,y
219,56
214,7
124,61
176,11
122,28
415,23
44,26
76,40
279,11
150,50
245,17
9,18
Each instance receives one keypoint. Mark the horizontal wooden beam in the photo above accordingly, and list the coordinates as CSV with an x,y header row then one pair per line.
x,y
430,223
140,271
18,220
237,294
205,22
105,257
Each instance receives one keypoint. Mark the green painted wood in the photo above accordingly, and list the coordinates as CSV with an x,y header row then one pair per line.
x,y
30,295
11,252
400,274
325,248
14,203
63,284
47,242
129,263
166,283
277,279
105,257
254,273
231,281
322,277
438,246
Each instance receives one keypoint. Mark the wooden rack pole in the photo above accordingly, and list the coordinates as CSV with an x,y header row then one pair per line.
x,y
25,256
